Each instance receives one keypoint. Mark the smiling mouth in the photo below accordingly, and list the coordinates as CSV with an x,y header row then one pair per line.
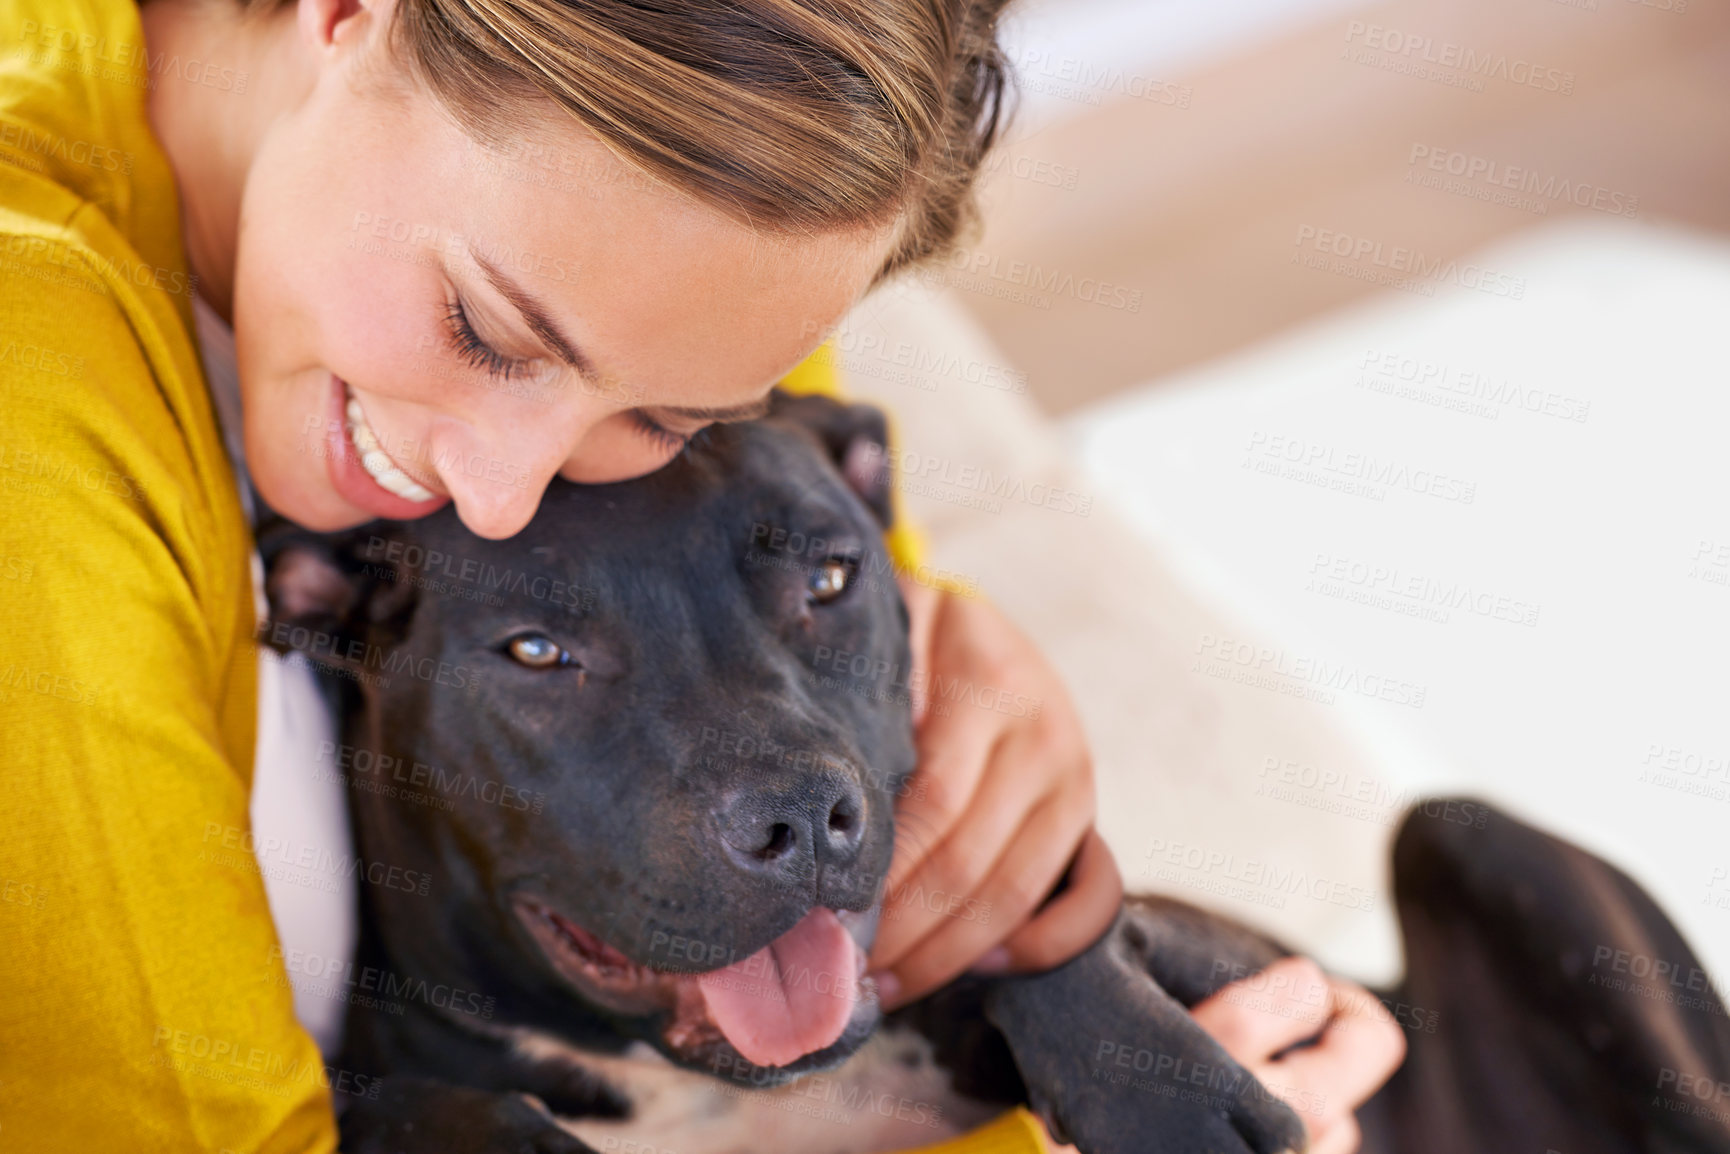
x,y
796,996
377,463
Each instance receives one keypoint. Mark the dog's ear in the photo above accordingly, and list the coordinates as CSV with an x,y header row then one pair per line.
x,y
331,584
856,438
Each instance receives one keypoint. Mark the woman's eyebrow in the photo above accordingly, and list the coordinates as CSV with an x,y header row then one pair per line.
x,y
535,315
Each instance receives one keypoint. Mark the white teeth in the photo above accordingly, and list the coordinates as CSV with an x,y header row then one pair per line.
x,y
375,461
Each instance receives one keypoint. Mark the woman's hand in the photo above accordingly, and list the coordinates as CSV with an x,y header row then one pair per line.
x,y
1359,1046
1001,804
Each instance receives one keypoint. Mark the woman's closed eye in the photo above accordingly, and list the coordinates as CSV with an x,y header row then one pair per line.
x,y
473,349
666,439
477,352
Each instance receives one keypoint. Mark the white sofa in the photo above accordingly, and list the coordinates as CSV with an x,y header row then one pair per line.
x,y
1270,662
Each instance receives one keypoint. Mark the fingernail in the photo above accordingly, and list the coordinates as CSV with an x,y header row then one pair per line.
x,y
993,961
888,987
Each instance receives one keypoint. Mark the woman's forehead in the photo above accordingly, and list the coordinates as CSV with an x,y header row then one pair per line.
x,y
660,289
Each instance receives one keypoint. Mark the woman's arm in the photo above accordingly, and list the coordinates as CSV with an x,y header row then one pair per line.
x,y
143,1004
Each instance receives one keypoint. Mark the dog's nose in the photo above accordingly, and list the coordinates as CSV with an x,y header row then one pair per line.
x,y
791,829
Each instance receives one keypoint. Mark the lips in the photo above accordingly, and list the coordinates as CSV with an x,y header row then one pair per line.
x,y
794,997
349,440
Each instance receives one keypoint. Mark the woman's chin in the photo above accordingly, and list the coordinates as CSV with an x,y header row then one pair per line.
x,y
320,509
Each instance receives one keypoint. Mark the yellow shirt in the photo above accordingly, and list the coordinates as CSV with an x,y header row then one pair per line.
x,y
141,1005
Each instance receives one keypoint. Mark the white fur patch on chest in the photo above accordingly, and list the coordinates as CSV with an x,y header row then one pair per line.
x,y
891,1095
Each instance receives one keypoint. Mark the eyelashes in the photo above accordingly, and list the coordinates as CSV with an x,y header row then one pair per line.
x,y
474,351
663,437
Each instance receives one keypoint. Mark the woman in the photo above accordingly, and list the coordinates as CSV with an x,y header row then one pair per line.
x,y
465,246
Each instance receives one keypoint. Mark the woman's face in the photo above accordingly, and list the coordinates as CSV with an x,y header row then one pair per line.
x,y
420,318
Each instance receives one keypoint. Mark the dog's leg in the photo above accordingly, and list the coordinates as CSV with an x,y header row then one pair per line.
x,y
476,1093
442,1086
1111,1058
1190,952
1550,1004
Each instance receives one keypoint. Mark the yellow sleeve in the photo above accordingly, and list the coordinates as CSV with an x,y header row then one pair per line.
x,y
817,374
141,1005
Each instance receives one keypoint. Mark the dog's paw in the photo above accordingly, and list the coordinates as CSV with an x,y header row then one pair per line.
x,y
1114,1064
413,1115
1267,1123
1191,1104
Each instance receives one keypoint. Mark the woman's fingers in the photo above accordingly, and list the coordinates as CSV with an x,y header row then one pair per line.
x,y
948,874
1018,879
1074,919
954,748
1360,1050
951,766
924,603
1258,1017
1340,1136
1001,800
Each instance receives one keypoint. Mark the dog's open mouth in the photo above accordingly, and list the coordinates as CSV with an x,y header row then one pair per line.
x,y
794,997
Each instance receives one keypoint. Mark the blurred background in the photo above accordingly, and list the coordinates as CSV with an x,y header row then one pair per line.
x,y
1337,392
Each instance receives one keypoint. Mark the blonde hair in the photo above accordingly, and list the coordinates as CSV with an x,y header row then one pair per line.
x,y
788,114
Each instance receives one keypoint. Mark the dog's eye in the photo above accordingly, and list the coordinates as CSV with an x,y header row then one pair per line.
x,y
829,580
537,651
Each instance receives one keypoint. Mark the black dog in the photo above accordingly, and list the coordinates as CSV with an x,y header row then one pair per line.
x,y
649,749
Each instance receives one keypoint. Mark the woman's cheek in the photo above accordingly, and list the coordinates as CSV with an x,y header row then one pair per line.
x,y
614,451
382,331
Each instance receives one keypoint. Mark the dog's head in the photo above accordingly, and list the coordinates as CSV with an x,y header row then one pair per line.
x,y
648,748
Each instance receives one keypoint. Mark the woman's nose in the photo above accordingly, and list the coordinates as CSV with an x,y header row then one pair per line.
x,y
496,493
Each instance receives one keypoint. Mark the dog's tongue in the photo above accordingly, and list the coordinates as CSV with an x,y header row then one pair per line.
x,y
790,998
